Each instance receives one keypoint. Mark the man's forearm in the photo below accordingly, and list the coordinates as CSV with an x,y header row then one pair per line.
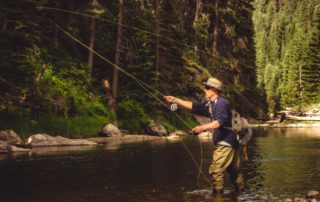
x,y
212,125
209,126
183,103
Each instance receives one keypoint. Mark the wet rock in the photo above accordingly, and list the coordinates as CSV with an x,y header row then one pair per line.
x,y
4,147
178,133
7,148
154,128
299,199
110,130
205,135
14,149
312,194
42,140
10,136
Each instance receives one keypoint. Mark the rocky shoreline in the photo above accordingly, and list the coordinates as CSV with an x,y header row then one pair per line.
x,y
11,143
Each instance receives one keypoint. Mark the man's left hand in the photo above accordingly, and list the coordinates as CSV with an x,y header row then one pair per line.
x,y
199,129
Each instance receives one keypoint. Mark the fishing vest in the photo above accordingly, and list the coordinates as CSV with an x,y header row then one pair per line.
x,y
240,126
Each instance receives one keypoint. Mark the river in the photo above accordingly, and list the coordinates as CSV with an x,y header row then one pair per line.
x,y
282,163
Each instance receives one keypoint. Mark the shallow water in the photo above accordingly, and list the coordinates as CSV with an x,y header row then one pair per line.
x,y
282,163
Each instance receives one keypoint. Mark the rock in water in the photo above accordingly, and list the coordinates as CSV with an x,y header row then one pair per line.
x,y
154,128
179,133
312,194
110,130
10,136
4,147
41,140
14,149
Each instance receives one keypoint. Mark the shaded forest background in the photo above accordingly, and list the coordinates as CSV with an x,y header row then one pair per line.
x,y
266,53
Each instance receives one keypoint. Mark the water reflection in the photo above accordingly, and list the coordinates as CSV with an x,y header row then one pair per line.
x,y
283,161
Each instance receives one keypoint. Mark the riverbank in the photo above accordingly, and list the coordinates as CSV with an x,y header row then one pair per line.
x,y
125,138
285,125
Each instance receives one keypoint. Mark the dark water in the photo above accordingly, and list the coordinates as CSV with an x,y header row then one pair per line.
x,y
282,163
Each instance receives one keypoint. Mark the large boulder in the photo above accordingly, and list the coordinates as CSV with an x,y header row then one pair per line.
x,y
42,140
10,137
154,128
110,130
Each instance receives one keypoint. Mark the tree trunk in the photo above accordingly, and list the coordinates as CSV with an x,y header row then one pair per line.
x,y
216,29
117,56
157,11
196,17
198,10
91,44
300,87
56,30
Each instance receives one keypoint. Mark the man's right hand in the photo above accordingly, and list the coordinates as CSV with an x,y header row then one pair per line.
x,y
170,99
183,103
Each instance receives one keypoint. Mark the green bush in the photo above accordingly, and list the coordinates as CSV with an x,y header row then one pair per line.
x,y
76,127
131,115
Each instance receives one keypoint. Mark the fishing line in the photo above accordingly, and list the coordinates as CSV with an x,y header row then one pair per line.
x,y
224,60
143,85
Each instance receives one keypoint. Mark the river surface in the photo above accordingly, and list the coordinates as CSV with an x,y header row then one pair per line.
x,y
282,163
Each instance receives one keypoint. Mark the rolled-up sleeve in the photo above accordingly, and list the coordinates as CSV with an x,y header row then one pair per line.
x,y
200,108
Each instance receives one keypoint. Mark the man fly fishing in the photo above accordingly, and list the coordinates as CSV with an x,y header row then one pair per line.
x,y
225,155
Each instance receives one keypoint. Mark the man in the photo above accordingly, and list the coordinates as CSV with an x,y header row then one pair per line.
x,y
225,155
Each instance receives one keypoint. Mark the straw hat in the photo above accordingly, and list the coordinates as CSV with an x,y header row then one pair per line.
x,y
214,83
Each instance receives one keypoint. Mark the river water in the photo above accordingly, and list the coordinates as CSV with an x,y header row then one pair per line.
x,y
282,163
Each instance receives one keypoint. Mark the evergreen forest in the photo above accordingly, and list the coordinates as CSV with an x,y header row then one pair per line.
x,y
69,67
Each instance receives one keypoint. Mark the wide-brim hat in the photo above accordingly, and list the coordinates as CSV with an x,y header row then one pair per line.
x,y
214,83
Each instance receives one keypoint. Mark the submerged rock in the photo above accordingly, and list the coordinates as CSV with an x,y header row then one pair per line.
x,y
42,140
10,137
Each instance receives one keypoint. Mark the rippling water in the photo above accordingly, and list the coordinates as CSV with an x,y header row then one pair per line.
x,y
282,163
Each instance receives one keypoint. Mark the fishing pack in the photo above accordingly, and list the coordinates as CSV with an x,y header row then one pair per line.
x,y
241,127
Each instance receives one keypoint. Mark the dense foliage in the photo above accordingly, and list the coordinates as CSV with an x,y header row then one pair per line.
x,y
287,52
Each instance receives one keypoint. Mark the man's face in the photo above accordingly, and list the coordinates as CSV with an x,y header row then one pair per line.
x,y
209,92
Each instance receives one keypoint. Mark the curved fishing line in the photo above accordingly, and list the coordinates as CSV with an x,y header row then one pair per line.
x,y
139,29
185,146
143,85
